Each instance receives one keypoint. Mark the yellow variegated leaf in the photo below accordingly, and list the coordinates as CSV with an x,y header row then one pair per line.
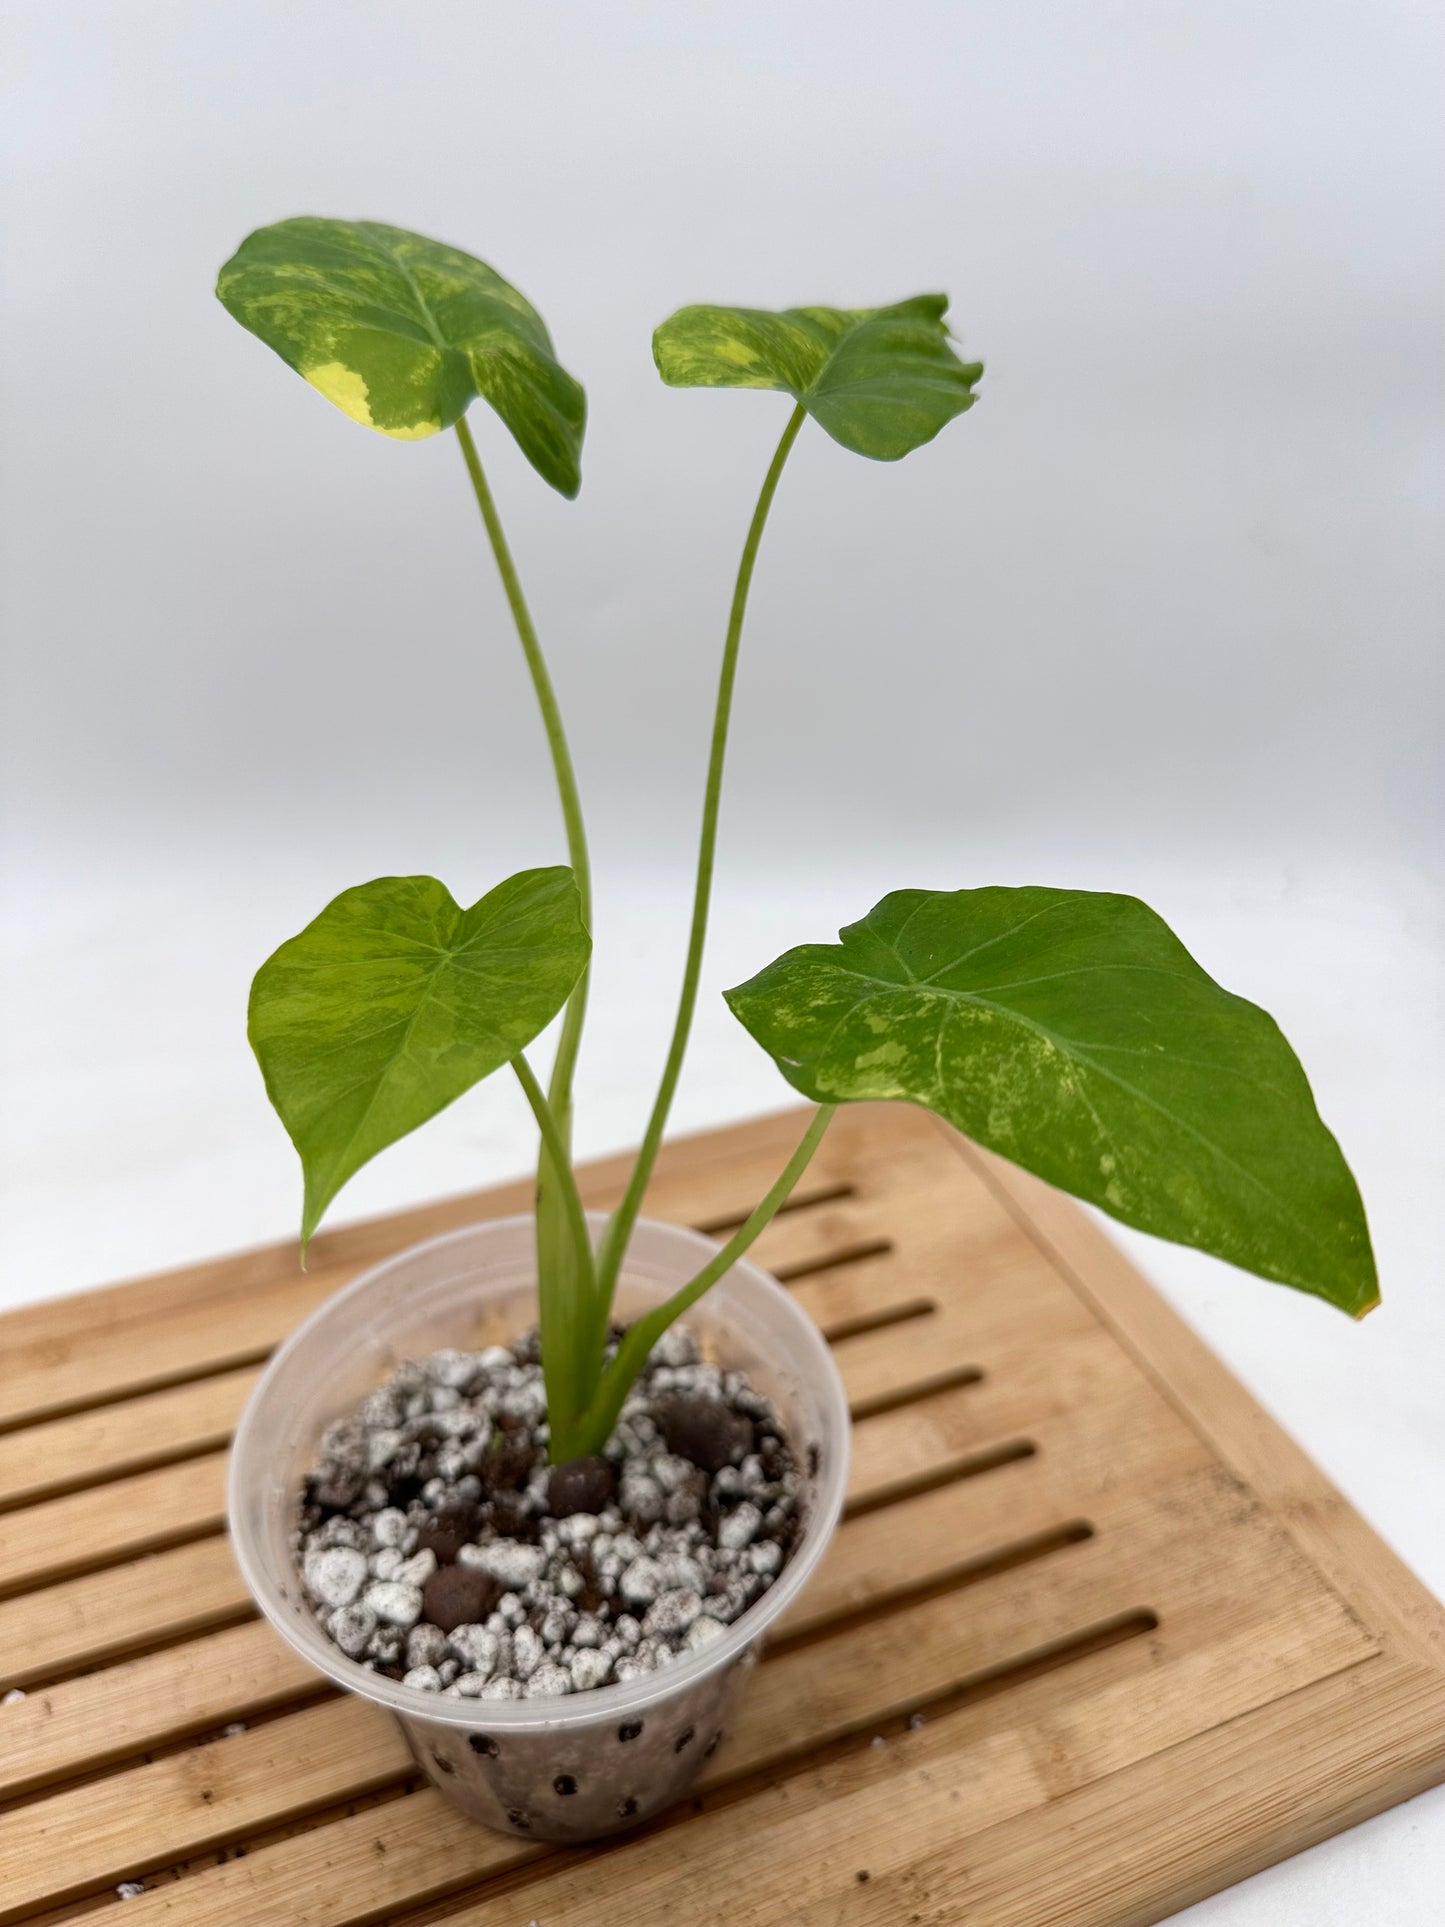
x,y
403,334
882,381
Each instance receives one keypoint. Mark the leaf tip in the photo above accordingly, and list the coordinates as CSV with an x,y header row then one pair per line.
x,y
313,1209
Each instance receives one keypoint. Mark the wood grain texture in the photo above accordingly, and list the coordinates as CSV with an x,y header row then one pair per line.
x,y
1094,1639
112,1441
97,1617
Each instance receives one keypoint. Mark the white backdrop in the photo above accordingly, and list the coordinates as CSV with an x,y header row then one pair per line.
x,y
1160,614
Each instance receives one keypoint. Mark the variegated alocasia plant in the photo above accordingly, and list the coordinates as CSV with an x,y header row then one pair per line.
x,y
1068,1030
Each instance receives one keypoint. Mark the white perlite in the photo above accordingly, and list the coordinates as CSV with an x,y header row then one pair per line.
x,y
642,1581
590,1668
394,1603
671,1613
335,1576
702,1632
740,1528
514,1565
439,1480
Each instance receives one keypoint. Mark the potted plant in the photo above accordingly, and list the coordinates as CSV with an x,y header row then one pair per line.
x,y
494,1485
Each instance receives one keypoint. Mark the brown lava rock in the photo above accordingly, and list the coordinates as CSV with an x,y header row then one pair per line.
x,y
337,1491
510,1517
459,1596
704,1430
581,1485
451,1529
510,1455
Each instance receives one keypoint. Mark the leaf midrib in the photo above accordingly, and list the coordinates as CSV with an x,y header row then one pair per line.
x,y
494,349
382,1076
447,957
389,254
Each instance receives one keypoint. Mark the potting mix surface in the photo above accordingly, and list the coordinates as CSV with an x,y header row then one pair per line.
x,y
437,1545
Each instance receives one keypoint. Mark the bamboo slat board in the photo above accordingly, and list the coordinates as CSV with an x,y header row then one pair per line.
x,y
1094,1641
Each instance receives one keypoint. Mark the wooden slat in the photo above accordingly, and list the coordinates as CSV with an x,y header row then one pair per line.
x,y
1239,1433
59,1732
1120,1854
912,1543
111,1828
413,1848
924,1821
150,1428
100,1616
47,1736
410,1849
108,1522
46,1378
214,1318
402,1853
91,1619
179,1501
1100,1466
129,1436
79,1841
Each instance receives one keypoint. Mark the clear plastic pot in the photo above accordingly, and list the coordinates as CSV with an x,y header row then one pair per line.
x,y
584,1765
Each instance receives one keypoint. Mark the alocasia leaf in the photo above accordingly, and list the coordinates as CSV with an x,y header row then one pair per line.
x,y
1073,1032
882,381
403,334
395,1000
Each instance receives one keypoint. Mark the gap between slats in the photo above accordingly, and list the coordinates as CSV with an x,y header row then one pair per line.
x,y
200,1574
472,1865
233,1606
518,1869
84,1425
243,1356
289,1688
935,1686
63,1522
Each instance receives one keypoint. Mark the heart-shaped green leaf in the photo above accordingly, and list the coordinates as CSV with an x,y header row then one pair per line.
x,y
882,381
1073,1032
403,334
395,1001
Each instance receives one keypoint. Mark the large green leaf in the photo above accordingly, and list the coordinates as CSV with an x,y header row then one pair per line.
x,y
882,381
1073,1032
403,334
395,1001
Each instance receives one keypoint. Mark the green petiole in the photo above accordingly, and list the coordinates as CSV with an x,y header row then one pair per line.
x,y
595,1426
619,1229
